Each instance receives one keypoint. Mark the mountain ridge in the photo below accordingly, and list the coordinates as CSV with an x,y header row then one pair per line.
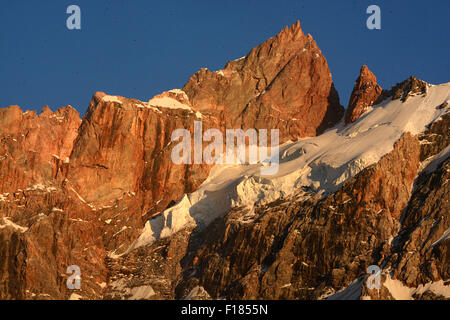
x,y
102,192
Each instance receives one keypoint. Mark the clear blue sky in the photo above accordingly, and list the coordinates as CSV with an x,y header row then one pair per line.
x,y
139,48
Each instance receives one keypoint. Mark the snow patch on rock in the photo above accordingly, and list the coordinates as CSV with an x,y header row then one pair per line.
x,y
168,102
401,292
111,99
8,223
142,293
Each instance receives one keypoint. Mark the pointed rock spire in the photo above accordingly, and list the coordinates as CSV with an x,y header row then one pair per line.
x,y
272,88
46,110
365,93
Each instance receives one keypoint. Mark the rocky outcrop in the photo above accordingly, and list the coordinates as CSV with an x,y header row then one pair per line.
x,y
158,266
422,254
419,253
284,84
124,146
409,87
34,148
42,232
433,140
365,94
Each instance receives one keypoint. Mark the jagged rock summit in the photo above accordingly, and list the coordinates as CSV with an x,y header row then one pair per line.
x,y
365,94
284,83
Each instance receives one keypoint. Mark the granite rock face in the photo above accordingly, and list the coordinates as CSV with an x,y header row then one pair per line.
x,y
365,94
124,146
34,148
284,83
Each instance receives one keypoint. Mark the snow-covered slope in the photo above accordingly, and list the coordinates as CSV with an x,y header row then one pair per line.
x,y
320,164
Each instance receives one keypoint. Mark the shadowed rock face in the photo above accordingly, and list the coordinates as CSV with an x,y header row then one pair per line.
x,y
365,94
405,89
